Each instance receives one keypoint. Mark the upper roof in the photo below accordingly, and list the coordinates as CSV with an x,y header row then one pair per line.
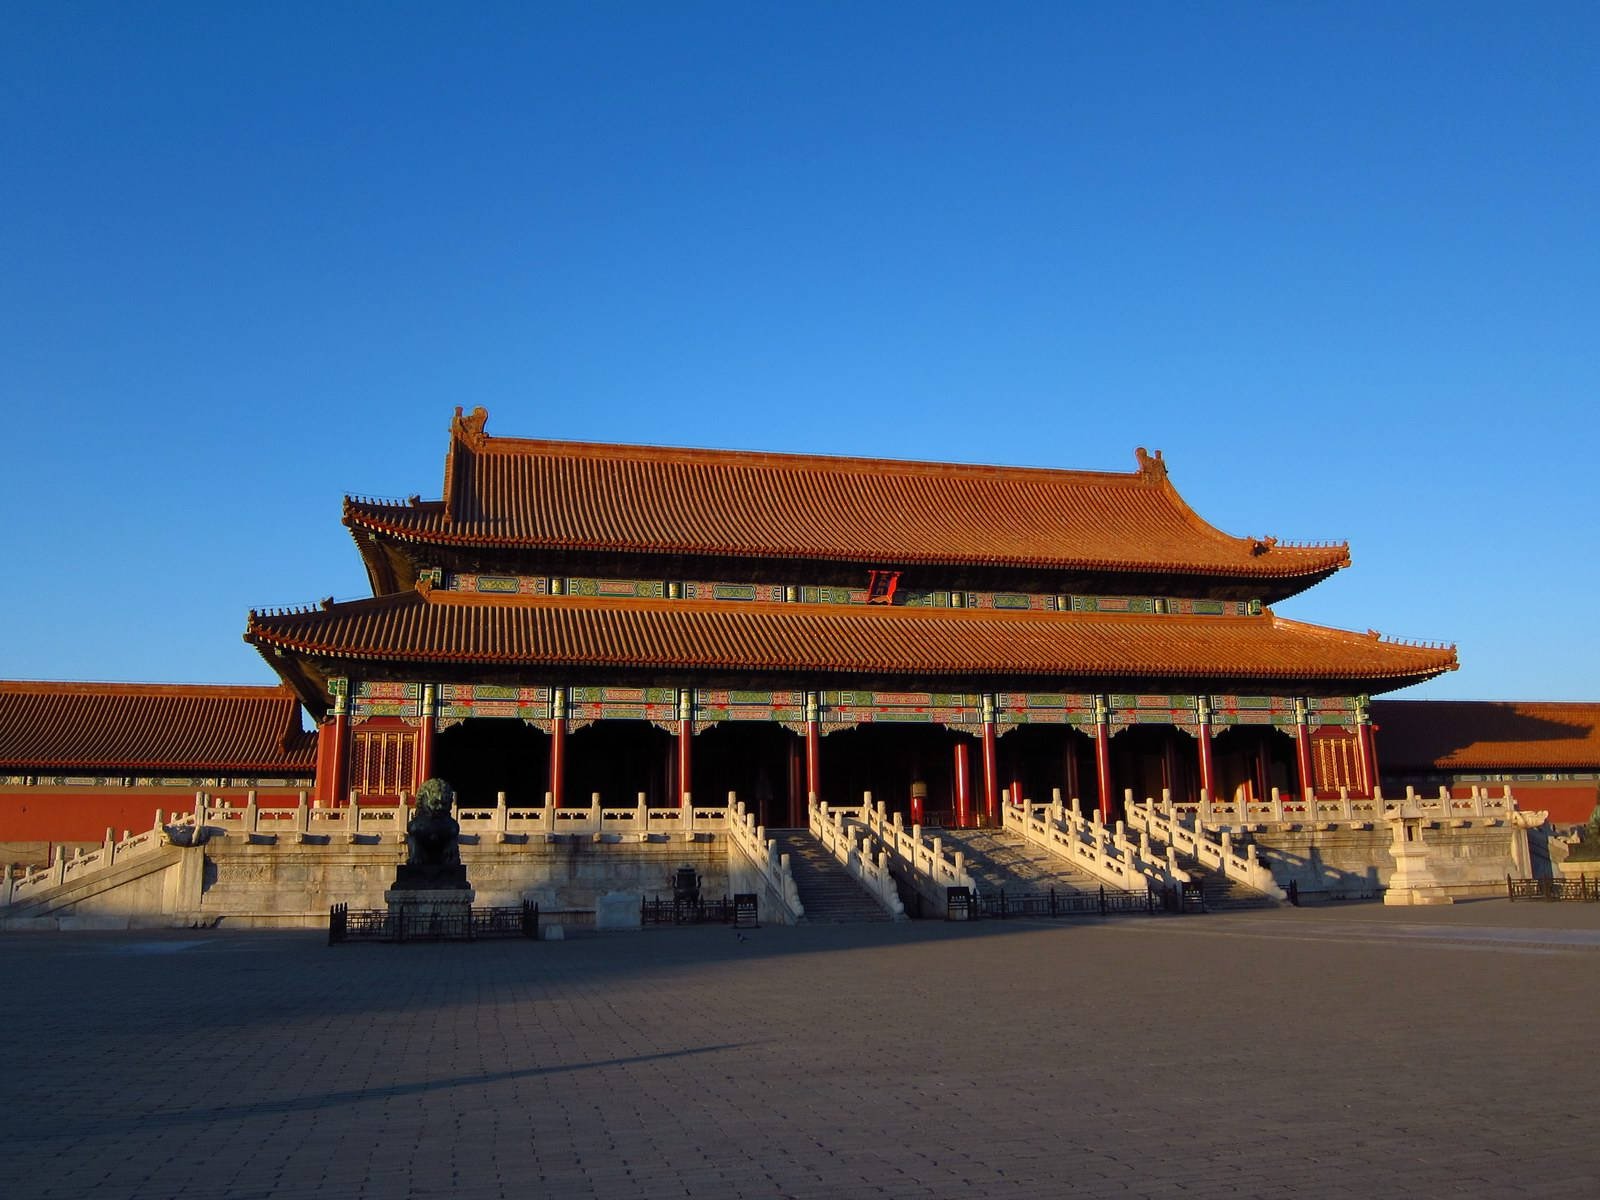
x,y
1487,734
425,626
521,494
151,726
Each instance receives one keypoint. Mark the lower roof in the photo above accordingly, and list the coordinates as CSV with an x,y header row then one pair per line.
x,y
125,727
1483,735
433,627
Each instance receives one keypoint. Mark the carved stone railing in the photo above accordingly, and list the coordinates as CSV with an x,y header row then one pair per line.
x,y
921,855
1325,812
1215,853
303,823
71,868
751,841
600,822
1085,843
843,832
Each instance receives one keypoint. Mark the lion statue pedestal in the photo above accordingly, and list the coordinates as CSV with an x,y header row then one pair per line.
x,y
431,895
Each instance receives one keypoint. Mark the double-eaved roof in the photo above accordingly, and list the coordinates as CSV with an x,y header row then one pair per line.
x,y
151,727
543,506
519,495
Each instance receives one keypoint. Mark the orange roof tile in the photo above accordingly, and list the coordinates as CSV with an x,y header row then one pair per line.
x,y
1484,735
529,494
145,726
432,626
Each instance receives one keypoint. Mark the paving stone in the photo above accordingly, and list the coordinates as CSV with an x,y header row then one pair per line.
x,y
1280,1053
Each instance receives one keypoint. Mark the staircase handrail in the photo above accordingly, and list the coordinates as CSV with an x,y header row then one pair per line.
x,y
752,841
844,833
1162,823
922,853
64,868
1085,842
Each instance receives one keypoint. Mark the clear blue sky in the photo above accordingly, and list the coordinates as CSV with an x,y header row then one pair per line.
x,y
1338,261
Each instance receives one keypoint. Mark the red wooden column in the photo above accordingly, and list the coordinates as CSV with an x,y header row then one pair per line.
x,y
1366,746
1208,781
1302,748
336,793
425,732
1102,754
685,733
963,785
1263,771
813,750
558,745
991,765
1071,764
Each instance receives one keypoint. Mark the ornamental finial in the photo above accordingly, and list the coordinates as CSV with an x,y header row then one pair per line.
x,y
1149,464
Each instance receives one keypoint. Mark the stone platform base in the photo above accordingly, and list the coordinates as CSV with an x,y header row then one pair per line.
x,y
1417,895
422,906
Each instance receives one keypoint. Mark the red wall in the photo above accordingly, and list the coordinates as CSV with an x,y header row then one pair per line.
x,y
61,814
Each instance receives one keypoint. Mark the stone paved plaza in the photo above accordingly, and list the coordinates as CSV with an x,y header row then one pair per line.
x,y
1332,1052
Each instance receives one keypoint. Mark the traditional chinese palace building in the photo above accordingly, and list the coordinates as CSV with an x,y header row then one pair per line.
x,y
571,619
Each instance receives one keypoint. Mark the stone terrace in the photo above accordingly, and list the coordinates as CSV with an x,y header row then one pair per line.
x,y
1339,1051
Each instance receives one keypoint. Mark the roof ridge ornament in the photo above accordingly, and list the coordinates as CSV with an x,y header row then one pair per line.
x,y
470,426
1151,466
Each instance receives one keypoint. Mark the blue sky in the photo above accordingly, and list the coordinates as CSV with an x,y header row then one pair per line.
x,y
1338,261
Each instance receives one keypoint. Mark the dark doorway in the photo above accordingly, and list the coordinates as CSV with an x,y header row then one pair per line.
x,y
483,756
758,760
1252,760
895,761
619,760
1151,759
1039,760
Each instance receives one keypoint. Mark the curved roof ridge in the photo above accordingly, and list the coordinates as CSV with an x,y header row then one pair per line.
x,y
569,495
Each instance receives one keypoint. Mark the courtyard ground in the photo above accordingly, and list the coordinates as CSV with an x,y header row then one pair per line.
x,y
1348,1050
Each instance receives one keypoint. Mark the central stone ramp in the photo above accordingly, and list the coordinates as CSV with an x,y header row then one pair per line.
x,y
1003,860
829,893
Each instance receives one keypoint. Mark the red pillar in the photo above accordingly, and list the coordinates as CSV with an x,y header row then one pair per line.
x,y
963,785
558,748
338,793
1367,732
991,765
425,730
685,733
1263,772
1071,764
813,748
1302,749
1102,756
1169,766
1208,777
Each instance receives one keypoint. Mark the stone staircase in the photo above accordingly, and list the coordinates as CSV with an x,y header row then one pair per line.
x,y
830,895
1220,892
1003,860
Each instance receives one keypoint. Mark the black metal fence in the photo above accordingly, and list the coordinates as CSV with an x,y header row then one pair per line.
x,y
1582,889
740,910
962,905
408,924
